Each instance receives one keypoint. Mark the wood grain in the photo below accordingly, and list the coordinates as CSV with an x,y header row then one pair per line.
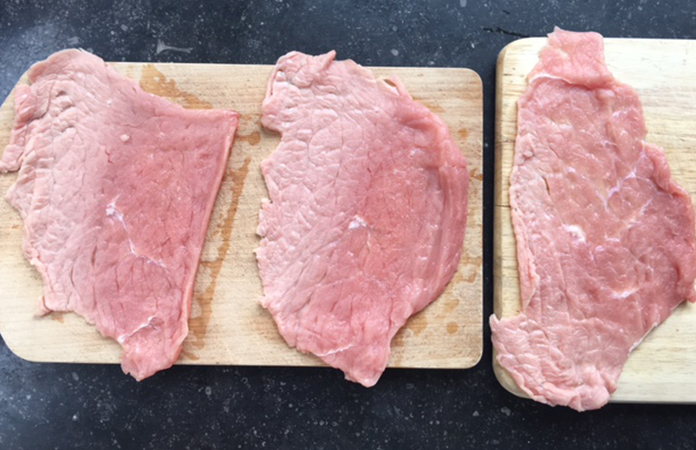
x,y
662,368
228,326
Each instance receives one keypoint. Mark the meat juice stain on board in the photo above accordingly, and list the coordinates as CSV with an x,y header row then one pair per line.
x,y
252,121
198,326
413,327
470,270
475,174
253,138
57,317
155,82
417,324
451,305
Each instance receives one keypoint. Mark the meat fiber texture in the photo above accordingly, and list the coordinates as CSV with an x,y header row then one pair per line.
x,y
115,187
367,211
605,237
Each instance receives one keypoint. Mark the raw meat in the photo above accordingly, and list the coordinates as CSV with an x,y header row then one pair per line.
x,y
115,187
605,237
367,211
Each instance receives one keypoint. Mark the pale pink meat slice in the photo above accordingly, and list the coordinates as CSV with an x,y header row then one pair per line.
x,y
115,187
605,237
367,211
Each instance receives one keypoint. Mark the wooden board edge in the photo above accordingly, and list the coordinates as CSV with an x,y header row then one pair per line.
x,y
479,89
498,183
10,98
19,351
478,356
509,384
505,379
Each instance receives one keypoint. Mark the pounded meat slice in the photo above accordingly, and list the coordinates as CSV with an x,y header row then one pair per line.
x,y
605,237
115,187
367,211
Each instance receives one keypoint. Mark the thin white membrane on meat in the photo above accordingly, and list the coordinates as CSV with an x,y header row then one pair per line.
x,y
115,188
605,237
367,211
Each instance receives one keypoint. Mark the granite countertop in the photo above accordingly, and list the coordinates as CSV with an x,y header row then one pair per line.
x,y
97,407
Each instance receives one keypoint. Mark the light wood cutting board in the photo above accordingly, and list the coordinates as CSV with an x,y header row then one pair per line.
x,y
663,73
228,326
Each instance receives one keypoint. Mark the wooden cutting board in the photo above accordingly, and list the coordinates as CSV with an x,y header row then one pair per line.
x,y
228,326
662,368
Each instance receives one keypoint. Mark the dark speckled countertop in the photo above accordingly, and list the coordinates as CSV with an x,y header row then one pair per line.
x,y
46,406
